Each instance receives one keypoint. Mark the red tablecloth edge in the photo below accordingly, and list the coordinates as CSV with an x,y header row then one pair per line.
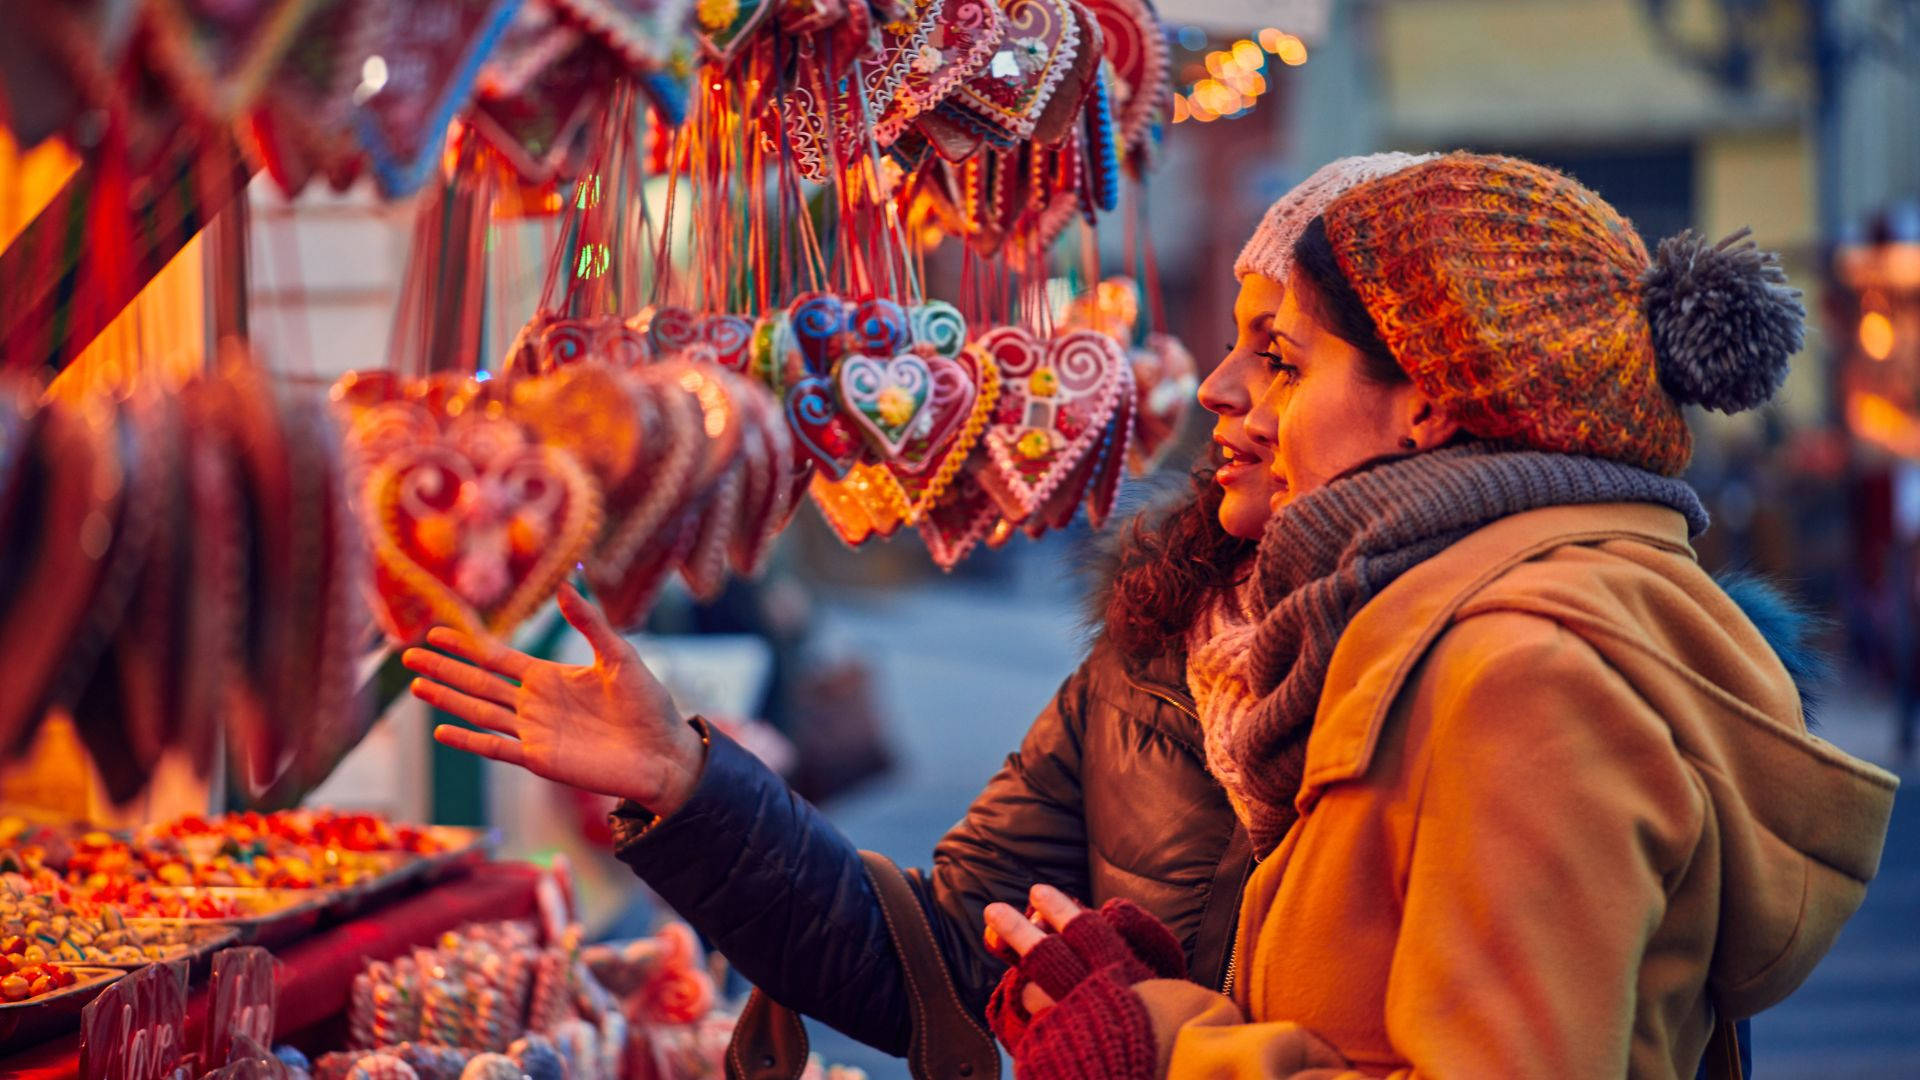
x,y
315,976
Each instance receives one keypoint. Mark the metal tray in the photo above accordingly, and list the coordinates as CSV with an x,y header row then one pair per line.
x,y
199,941
278,915
464,846
24,1023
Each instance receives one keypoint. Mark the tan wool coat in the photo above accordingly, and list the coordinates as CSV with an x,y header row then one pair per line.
x,y
1560,804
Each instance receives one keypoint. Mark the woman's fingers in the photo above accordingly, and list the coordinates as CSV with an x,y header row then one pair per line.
x,y
485,652
592,623
471,709
479,742
464,677
1014,929
1055,908
1035,1000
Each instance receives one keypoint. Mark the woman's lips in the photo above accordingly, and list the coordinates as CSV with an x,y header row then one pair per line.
x,y
1233,472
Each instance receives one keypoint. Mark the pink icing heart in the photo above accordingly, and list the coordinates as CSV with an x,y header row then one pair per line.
x,y
1054,409
885,399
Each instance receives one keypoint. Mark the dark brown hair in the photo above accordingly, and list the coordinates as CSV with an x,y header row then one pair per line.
x,y
1171,565
1328,296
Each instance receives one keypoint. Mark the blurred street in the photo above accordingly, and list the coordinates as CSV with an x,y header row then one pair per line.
x,y
963,669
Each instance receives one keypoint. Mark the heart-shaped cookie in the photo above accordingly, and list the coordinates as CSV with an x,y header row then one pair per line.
x,y
842,510
1037,51
651,495
950,403
939,326
1135,45
885,398
880,326
955,40
671,330
1055,404
954,525
1114,453
817,320
590,412
475,536
814,418
731,339
1079,75
944,465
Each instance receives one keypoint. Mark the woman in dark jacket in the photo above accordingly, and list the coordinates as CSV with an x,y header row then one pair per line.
x,y
1108,795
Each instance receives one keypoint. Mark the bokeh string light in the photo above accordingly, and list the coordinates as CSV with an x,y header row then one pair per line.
x,y
1234,77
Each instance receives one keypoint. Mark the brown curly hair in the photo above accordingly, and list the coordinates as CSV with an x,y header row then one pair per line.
x,y
1171,564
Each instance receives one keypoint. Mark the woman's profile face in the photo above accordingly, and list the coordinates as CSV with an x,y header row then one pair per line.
x,y
1323,415
1231,392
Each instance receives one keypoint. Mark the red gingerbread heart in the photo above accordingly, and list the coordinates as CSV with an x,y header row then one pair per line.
x,y
1055,404
953,40
1037,51
475,532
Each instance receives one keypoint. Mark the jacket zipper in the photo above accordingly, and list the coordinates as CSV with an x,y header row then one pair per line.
x,y
1186,706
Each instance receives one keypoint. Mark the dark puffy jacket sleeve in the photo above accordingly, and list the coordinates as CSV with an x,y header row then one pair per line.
x,y
781,892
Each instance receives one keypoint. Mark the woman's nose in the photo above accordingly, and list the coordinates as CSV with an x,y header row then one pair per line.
x,y
1263,422
1222,392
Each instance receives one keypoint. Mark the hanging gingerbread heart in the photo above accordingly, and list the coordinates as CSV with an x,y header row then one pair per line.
x,y
1114,453
948,406
1039,48
1101,174
477,543
731,339
952,139
944,465
590,412
534,125
672,329
1055,403
879,326
301,122
939,326
641,33
814,418
1135,45
765,514
431,52
817,319
842,510
960,40
954,525
627,596
880,493
704,567
1078,76
885,399
649,497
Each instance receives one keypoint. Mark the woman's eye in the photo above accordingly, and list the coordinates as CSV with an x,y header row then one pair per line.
x,y
1279,367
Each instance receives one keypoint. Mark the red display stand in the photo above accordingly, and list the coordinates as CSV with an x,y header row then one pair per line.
x,y
315,975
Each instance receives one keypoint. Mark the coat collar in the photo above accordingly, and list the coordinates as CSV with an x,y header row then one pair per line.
x,y
1388,637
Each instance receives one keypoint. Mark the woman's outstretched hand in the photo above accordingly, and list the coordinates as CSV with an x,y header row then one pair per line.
x,y
608,727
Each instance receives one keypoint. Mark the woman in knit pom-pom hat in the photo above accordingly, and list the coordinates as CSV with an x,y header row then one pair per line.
x,y
1535,797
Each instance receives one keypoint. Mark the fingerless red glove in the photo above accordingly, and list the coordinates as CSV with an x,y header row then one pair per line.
x,y
1098,1027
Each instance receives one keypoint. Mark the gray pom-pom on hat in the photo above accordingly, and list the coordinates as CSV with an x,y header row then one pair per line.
x,y
1724,320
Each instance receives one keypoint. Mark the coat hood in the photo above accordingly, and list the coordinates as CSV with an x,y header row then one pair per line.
x,y
1796,824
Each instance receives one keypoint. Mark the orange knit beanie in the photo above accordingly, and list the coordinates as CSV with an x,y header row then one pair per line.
x,y
1529,309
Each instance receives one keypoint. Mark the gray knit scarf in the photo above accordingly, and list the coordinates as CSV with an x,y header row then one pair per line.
x,y
1328,553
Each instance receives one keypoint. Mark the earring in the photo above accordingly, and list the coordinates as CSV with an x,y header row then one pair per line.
x,y
1407,443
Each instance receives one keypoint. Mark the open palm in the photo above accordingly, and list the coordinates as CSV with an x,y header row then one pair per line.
x,y
608,726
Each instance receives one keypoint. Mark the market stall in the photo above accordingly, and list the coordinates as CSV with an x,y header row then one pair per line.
x,y
838,253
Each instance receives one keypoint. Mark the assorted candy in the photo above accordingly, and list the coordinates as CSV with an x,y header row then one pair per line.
x,y
37,926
